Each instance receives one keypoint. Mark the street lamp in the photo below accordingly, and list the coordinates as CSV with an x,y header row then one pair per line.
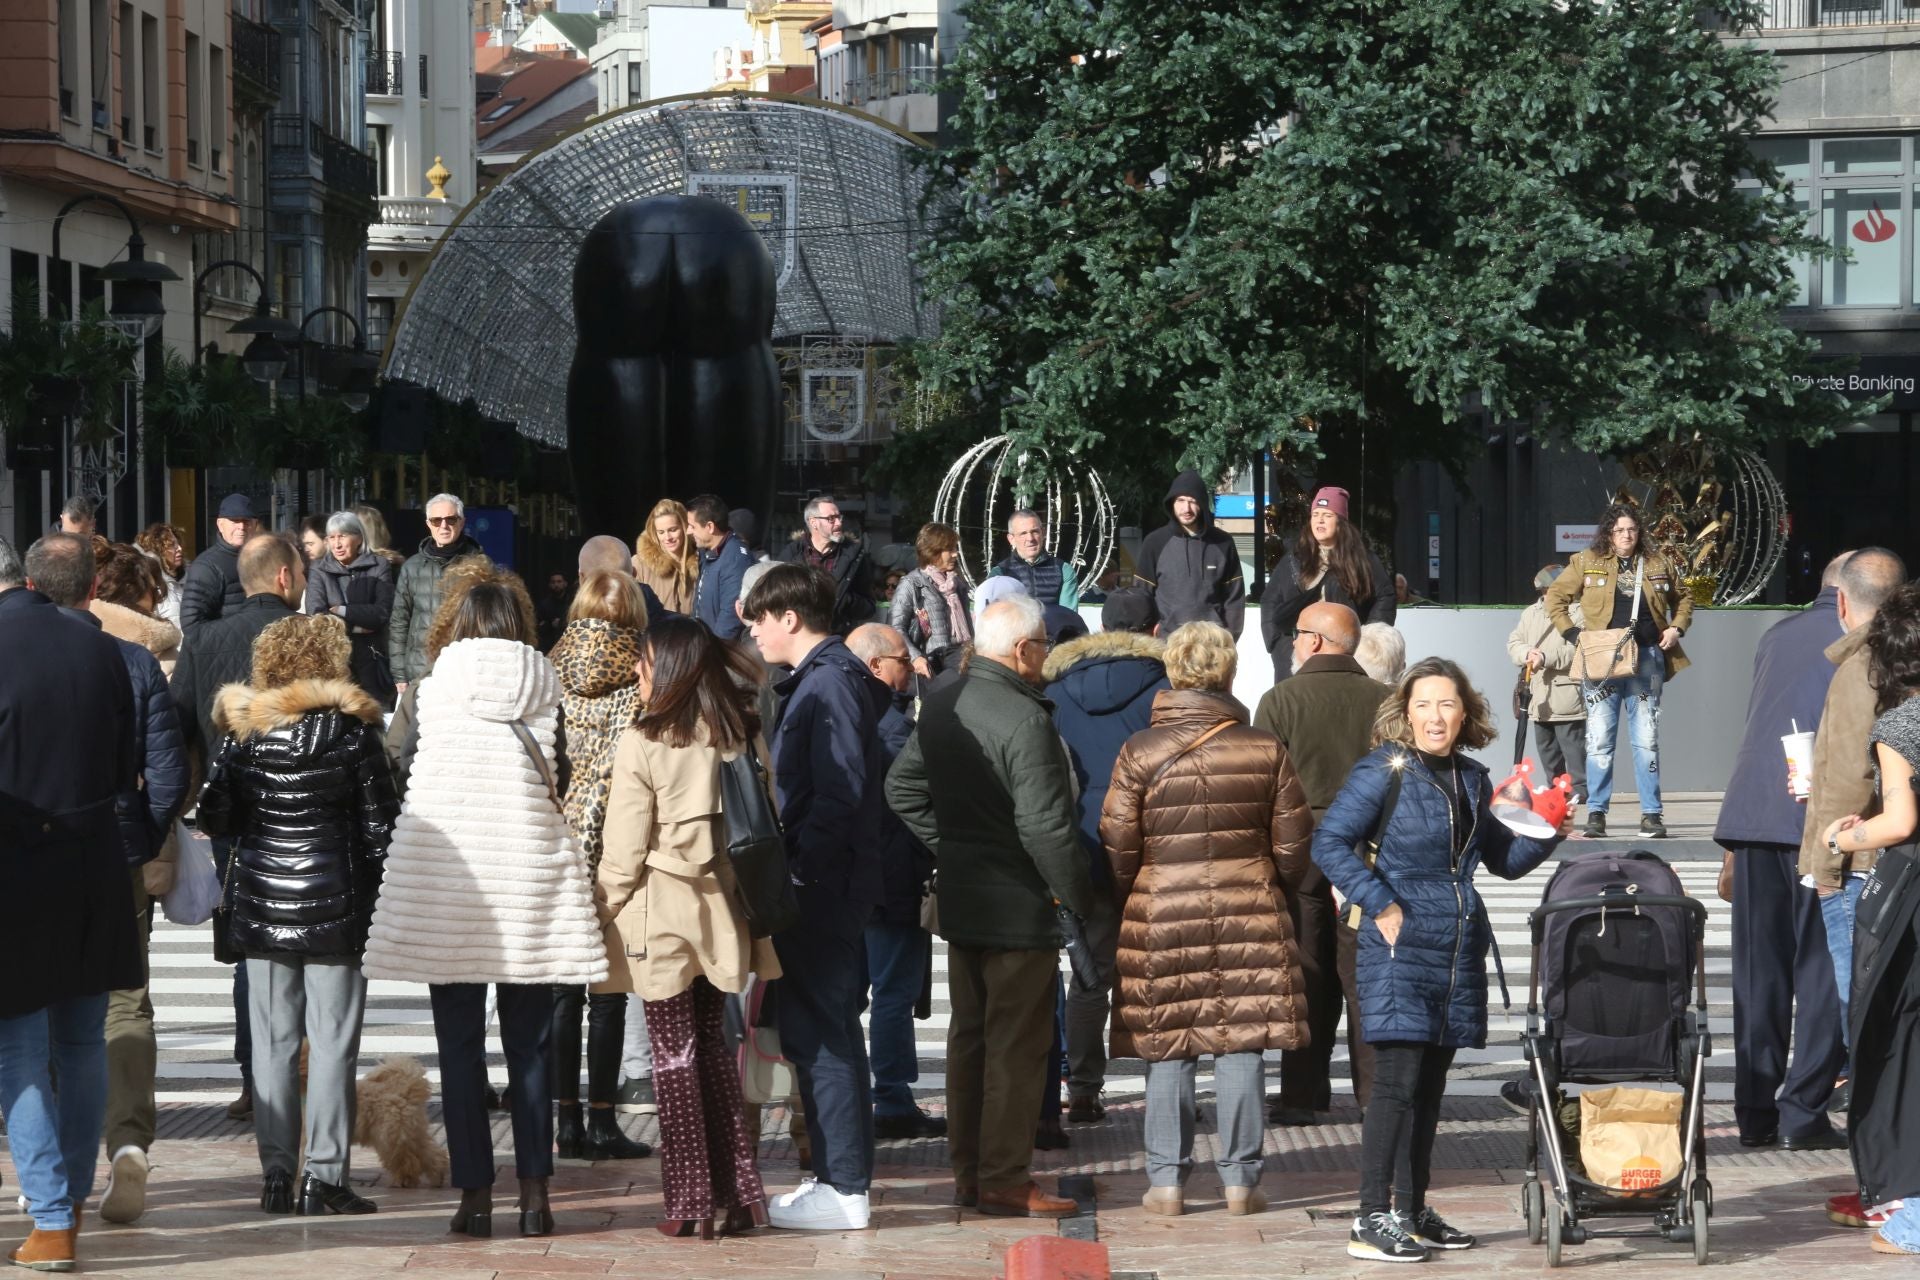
x,y
265,357
359,366
137,308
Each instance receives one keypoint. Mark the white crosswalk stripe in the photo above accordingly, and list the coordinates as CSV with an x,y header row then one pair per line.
x,y
193,1011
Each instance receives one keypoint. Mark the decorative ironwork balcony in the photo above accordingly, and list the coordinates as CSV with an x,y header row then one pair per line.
x,y
256,56
386,73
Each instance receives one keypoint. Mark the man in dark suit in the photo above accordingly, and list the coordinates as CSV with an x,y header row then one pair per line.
x,y
66,907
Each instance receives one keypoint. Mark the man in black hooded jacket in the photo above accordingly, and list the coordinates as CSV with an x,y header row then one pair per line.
x,y
1191,567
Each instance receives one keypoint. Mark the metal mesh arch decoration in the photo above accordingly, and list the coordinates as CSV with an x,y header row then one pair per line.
x,y
836,193
980,492
1716,511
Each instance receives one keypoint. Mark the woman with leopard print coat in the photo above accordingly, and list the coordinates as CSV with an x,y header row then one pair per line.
x,y
599,698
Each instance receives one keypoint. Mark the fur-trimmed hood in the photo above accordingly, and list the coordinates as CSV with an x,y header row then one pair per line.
x,y
1105,644
156,635
649,557
244,711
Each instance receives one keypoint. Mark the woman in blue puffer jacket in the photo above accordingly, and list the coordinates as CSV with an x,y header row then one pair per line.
x,y
1420,968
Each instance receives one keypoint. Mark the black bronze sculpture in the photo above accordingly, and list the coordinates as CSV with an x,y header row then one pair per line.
x,y
673,391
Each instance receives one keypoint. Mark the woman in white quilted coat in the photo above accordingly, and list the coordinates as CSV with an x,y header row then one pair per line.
x,y
484,884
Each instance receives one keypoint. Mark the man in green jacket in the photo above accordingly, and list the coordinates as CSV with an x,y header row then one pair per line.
x,y
416,597
1006,848
1323,715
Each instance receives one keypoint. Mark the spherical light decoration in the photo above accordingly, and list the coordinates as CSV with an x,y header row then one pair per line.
x,y
981,492
1716,512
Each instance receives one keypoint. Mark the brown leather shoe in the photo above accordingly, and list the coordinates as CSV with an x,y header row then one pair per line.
x,y
46,1251
1025,1202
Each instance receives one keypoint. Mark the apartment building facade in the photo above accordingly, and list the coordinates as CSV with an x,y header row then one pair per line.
x,y
128,99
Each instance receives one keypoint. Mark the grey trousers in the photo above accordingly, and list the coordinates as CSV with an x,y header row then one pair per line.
x,y
1238,1082
1087,1010
1563,749
320,999
636,1054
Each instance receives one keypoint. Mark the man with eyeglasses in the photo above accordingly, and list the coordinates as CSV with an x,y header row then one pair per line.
x,y
416,597
827,547
1323,715
899,951
1001,823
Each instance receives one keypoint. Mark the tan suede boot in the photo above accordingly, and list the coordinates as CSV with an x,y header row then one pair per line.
x,y
46,1250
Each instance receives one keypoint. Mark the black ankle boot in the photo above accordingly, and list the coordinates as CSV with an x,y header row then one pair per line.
x,y
475,1217
604,1140
567,1131
276,1192
317,1198
536,1218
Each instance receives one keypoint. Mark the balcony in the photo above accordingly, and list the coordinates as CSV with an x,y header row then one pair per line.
x,y
1805,15
256,57
415,211
345,167
386,73
891,84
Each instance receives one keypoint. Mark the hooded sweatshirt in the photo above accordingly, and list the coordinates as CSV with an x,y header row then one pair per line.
x,y
484,880
1102,689
1194,574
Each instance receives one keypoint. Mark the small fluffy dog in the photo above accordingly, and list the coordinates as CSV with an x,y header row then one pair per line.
x,y
391,1117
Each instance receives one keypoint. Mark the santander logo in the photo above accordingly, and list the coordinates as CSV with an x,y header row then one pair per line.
x,y
1875,227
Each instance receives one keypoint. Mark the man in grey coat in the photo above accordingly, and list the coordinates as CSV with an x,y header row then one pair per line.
x,y
1006,849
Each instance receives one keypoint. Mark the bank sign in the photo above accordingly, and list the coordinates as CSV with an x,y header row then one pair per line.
x,y
1873,376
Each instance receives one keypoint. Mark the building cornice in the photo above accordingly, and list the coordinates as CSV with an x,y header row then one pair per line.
x,y
55,163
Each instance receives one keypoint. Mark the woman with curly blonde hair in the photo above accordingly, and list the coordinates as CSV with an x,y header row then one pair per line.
x,y
665,559
1421,958
301,788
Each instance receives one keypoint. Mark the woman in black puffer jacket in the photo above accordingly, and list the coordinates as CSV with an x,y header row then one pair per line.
x,y
302,787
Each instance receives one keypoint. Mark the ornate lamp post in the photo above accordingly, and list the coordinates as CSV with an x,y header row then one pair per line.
x,y
138,312
266,356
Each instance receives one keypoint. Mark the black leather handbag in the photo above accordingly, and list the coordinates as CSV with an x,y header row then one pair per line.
x,y
756,849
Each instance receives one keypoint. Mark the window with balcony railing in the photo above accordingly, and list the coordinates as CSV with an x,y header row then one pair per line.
x,y
423,75
256,55
1789,15
386,72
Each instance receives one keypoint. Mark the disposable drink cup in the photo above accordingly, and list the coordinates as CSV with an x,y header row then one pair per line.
x,y
1799,749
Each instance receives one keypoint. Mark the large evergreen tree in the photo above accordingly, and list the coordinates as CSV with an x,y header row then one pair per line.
x,y
1228,222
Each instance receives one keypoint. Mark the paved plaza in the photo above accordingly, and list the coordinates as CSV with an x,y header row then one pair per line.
x,y
204,1220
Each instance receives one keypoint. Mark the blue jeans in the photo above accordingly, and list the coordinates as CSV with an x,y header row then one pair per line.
x,y
1837,911
1643,728
1902,1226
897,959
55,1138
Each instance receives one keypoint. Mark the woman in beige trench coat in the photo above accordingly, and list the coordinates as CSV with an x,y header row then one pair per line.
x,y
674,932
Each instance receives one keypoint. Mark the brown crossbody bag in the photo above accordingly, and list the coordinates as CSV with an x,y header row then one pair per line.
x,y
1611,654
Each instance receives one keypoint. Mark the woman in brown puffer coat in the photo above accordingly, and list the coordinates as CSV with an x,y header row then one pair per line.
x,y
1208,831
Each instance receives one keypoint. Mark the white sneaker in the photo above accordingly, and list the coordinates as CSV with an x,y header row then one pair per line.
x,y
126,1197
818,1207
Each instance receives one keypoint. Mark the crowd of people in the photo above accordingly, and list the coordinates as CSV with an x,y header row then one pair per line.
x,y
412,770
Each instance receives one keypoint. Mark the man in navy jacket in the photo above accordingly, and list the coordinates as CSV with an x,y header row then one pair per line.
x,y
722,560
66,916
1782,974
829,771
146,815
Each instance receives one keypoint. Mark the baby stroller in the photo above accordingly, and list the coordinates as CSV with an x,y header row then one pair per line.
x,y
1616,944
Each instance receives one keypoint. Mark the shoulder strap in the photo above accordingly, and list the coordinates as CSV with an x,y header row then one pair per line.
x,y
1387,807
1639,570
538,757
1168,763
